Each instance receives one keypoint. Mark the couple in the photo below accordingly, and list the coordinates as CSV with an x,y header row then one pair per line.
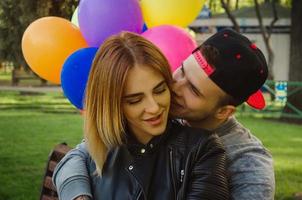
x,y
136,151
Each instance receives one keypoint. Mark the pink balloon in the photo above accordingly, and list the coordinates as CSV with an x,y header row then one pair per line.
x,y
175,43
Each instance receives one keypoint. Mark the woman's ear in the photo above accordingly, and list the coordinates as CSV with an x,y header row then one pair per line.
x,y
225,112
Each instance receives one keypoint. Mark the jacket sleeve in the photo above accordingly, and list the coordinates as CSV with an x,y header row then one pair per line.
x,y
71,177
252,172
208,179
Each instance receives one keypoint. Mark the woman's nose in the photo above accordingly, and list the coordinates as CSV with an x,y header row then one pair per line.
x,y
152,106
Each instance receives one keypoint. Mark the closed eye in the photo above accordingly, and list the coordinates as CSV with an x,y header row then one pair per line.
x,y
133,101
194,90
160,89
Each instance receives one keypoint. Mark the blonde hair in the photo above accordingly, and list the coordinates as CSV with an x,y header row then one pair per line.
x,y
104,123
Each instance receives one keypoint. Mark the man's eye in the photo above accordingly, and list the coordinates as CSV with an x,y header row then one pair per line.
x,y
194,90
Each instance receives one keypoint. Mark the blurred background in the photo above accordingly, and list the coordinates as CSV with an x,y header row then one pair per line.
x,y
36,114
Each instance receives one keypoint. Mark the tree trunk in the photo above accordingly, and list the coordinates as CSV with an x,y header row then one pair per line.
x,y
295,70
266,38
237,5
231,17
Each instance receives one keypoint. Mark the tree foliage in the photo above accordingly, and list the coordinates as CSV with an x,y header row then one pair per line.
x,y
16,15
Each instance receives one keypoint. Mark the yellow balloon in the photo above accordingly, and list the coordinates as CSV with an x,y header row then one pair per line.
x,y
174,12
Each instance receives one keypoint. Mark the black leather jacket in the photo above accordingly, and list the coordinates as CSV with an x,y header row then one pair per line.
x,y
183,163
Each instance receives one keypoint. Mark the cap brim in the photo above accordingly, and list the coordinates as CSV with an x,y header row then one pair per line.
x,y
256,100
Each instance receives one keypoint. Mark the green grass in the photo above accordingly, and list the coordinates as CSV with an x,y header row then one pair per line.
x,y
26,137
31,125
5,76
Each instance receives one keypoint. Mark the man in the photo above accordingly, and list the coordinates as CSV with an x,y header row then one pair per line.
x,y
225,71
222,73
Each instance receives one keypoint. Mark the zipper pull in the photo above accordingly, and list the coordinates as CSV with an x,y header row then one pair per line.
x,y
182,173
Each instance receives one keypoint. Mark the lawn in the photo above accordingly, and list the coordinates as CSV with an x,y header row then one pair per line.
x,y
32,124
5,75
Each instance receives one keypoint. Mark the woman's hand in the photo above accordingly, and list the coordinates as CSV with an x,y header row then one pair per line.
x,y
82,197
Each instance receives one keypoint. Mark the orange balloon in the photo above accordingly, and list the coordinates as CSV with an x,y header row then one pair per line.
x,y
47,43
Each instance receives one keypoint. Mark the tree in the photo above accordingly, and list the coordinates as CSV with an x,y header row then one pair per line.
x,y
16,15
266,34
295,70
226,7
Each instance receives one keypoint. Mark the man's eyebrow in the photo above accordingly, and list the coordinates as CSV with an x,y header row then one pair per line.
x,y
182,68
141,93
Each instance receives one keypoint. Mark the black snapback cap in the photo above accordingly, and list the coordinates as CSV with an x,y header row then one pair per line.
x,y
240,69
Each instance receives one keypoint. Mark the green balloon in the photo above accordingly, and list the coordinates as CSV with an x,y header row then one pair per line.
x,y
74,18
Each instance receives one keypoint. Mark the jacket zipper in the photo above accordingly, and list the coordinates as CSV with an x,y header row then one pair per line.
x,y
173,172
139,195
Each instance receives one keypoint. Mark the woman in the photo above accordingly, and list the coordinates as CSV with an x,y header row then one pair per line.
x,y
135,150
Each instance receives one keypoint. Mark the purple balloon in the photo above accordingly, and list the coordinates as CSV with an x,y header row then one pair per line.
x,y
99,19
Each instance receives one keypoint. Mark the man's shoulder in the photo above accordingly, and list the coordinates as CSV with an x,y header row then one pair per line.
x,y
240,141
234,133
250,164
246,153
244,149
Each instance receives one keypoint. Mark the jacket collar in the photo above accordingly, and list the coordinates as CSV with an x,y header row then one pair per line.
x,y
225,128
137,148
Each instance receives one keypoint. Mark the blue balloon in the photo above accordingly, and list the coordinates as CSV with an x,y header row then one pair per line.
x,y
75,73
144,27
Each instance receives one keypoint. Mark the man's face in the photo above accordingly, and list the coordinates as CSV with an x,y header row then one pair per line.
x,y
197,96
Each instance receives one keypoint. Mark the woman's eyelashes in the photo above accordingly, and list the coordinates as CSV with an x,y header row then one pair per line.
x,y
156,91
160,89
133,101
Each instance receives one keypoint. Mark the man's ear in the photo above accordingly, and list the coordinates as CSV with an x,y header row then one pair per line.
x,y
225,112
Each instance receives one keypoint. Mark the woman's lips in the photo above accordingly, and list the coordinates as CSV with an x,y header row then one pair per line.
x,y
154,121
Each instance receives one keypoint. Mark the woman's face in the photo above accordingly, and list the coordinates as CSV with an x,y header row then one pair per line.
x,y
146,102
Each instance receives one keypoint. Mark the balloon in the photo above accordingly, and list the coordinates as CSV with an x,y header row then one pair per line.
x,y
144,28
47,42
75,73
191,32
174,12
74,18
100,19
175,43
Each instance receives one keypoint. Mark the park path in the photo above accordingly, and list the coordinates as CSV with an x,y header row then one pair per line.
x,y
31,89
